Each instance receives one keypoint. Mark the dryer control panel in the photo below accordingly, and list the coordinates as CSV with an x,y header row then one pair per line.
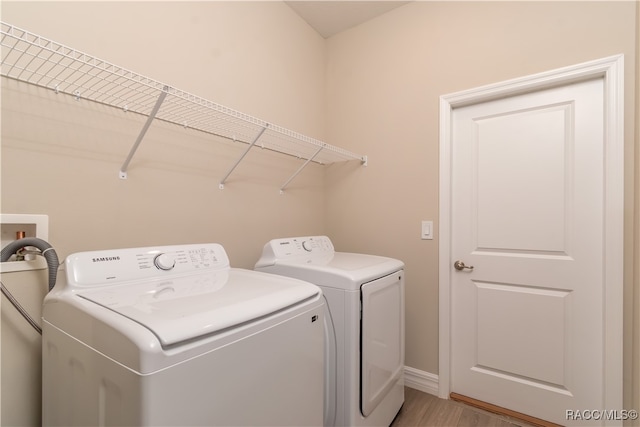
x,y
296,247
98,268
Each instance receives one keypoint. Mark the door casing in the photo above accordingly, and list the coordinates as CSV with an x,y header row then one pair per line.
x,y
611,69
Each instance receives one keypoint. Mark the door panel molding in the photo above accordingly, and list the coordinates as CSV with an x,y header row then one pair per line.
x,y
611,69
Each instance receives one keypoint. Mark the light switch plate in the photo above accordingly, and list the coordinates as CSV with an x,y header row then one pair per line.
x,y
427,230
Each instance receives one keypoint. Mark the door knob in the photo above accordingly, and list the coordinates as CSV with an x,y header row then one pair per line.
x,y
459,265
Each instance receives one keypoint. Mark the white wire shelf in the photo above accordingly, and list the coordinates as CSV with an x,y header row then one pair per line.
x,y
33,59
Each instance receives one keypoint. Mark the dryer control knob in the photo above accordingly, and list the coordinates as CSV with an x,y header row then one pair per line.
x,y
164,262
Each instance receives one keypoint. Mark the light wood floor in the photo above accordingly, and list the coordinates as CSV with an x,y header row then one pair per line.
x,y
423,409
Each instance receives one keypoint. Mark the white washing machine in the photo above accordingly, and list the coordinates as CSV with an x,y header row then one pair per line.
x,y
173,336
365,300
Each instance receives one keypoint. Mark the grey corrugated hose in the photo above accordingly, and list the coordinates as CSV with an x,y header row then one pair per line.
x,y
49,255
46,251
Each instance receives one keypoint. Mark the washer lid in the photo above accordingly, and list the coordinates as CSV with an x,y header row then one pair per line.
x,y
184,308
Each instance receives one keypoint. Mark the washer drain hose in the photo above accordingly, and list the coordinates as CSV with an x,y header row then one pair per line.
x,y
20,309
46,251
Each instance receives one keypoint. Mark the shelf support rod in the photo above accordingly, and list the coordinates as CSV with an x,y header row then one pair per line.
x,y
145,128
223,180
300,169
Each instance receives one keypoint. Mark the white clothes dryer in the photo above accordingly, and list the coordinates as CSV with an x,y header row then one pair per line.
x,y
173,335
365,300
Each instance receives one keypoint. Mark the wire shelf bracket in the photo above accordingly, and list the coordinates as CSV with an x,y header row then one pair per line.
x,y
145,128
310,159
33,59
223,180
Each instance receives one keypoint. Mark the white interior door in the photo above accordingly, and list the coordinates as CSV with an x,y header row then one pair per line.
x,y
530,325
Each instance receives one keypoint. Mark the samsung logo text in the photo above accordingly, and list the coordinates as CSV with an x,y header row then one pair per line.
x,y
106,258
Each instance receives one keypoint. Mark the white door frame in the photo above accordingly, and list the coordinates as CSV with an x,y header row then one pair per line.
x,y
612,70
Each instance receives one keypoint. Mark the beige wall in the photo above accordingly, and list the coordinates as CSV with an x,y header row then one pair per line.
x,y
384,80
633,367
373,89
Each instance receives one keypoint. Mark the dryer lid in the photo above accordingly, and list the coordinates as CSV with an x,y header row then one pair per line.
x,y
314,259
185,308
341,270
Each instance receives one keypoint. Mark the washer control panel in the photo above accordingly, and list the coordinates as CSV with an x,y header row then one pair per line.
x,y
98,268
296,247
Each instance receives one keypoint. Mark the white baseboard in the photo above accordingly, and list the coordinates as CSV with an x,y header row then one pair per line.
x,y
421,380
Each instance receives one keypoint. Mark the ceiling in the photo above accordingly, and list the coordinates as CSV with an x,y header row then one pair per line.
x,y
331,17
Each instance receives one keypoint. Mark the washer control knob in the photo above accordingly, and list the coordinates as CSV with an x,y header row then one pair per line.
x,y
164,262
306,245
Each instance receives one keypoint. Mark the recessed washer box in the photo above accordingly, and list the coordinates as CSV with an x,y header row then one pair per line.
x,y
33,226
